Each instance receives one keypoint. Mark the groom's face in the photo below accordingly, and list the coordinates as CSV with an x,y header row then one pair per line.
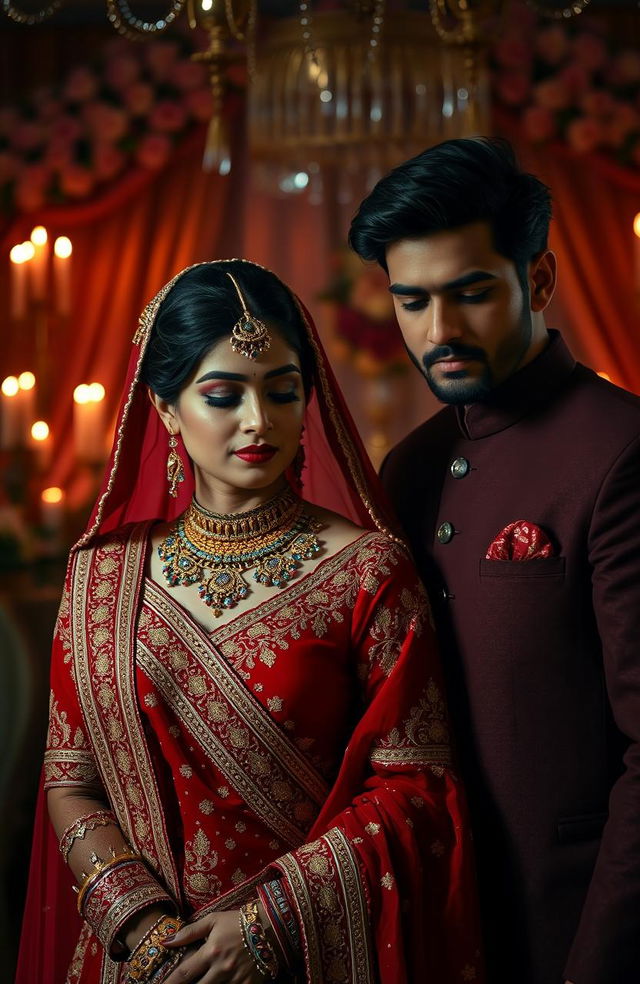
x,y
461,310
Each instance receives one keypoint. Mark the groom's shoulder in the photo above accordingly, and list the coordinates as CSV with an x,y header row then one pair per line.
x,y
421,445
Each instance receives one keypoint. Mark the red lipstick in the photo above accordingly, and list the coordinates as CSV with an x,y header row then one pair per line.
x,y
256,454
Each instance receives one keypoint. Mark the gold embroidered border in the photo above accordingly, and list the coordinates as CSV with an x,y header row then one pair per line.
x,y
233,729
422,757
106,583
326,884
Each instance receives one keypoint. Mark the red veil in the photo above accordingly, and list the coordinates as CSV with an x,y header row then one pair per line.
x,y
338,476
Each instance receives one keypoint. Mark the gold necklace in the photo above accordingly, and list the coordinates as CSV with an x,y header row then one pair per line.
x,y
214,549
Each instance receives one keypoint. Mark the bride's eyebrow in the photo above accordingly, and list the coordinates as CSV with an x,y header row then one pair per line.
x,y
240,378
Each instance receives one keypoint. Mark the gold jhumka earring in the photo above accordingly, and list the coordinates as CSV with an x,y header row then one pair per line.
x,y
175,467
249,336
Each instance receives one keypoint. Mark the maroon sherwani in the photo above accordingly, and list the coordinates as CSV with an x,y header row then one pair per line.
x,y
543,657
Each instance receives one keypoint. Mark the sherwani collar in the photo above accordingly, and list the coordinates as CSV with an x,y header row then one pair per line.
x,y
528,389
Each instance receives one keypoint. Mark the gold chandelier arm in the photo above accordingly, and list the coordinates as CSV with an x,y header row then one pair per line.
x,y
235,28
558,13
125,22
38,17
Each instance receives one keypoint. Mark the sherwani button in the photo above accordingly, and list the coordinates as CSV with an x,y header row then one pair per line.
x,y
445,532
459,467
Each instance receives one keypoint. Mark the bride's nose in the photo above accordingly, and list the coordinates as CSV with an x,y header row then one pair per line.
x,y
255,416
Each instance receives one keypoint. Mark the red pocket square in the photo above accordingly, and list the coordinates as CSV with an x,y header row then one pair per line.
x,y
520,541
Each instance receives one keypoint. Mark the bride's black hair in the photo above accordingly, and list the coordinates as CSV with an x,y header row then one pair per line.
x,y
201,309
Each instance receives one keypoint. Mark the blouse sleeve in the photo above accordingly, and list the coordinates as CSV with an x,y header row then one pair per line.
x,y
384,889
68,760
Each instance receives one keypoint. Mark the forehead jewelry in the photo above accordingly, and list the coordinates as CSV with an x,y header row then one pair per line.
x,y
249,336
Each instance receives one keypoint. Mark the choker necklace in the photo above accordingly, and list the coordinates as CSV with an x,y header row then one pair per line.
x,y
213,550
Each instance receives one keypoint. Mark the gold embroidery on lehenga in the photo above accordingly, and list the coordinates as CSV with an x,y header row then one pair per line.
x,y
104,673
423,737
232,729
326,883
68,760
200,860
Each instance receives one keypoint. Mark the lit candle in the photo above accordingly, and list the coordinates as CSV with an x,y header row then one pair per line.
x,y
62,250
52,510
41,443
27,403
39,240
88,421
636,229
11,420
20,256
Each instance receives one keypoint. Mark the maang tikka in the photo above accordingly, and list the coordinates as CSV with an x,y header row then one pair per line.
x,y
249,335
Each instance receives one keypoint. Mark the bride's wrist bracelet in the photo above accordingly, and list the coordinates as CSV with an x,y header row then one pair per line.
x,y
150,961
282,921
256,942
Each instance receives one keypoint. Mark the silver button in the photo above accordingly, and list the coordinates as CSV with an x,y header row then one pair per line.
x,y
445,532
459,467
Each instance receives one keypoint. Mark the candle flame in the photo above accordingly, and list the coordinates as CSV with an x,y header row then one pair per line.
x,y
96,391
22,253
62,247
52,494
81,393
10,386
26,380
39,236
40,430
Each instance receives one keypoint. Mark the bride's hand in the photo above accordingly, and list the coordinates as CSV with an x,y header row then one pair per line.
x,y
216,952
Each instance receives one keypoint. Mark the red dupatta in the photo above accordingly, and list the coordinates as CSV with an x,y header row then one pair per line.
x,y
378,787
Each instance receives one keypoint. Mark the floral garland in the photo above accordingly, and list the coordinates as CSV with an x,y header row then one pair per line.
x,y
129,109
568,82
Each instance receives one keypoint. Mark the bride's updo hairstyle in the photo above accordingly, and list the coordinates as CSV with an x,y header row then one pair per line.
x,y
201,309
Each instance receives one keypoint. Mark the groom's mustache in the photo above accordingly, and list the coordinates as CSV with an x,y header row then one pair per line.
x,y
454,350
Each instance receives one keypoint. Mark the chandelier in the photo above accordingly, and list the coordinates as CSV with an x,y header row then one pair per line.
x,y
355,89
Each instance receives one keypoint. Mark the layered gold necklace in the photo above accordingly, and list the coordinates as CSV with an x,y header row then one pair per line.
x,y
213,549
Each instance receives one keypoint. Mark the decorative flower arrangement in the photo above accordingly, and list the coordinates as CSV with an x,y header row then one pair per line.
x,y
568,82
128,109
366,332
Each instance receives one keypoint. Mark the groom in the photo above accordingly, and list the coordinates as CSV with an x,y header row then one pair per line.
x,y
521,499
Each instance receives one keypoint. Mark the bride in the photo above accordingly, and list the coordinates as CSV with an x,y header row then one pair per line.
x,y
248,766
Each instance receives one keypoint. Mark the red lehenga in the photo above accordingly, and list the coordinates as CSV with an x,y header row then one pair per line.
x,y
306,739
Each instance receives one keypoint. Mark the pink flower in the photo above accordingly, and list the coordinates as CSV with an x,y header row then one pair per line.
x,y
67,128
160,56
596,102
107,161
513,88
138,98
187,75
27,135
589,51
625,68
59,153
153,151
105,122
624,120
552,44
167,116
552,94
512,52
575,77
77,181
9,166
538,123
122,71
199,103
584,134
81,85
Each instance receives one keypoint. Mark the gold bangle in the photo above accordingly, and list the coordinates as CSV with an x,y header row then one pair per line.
x,y
101,868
